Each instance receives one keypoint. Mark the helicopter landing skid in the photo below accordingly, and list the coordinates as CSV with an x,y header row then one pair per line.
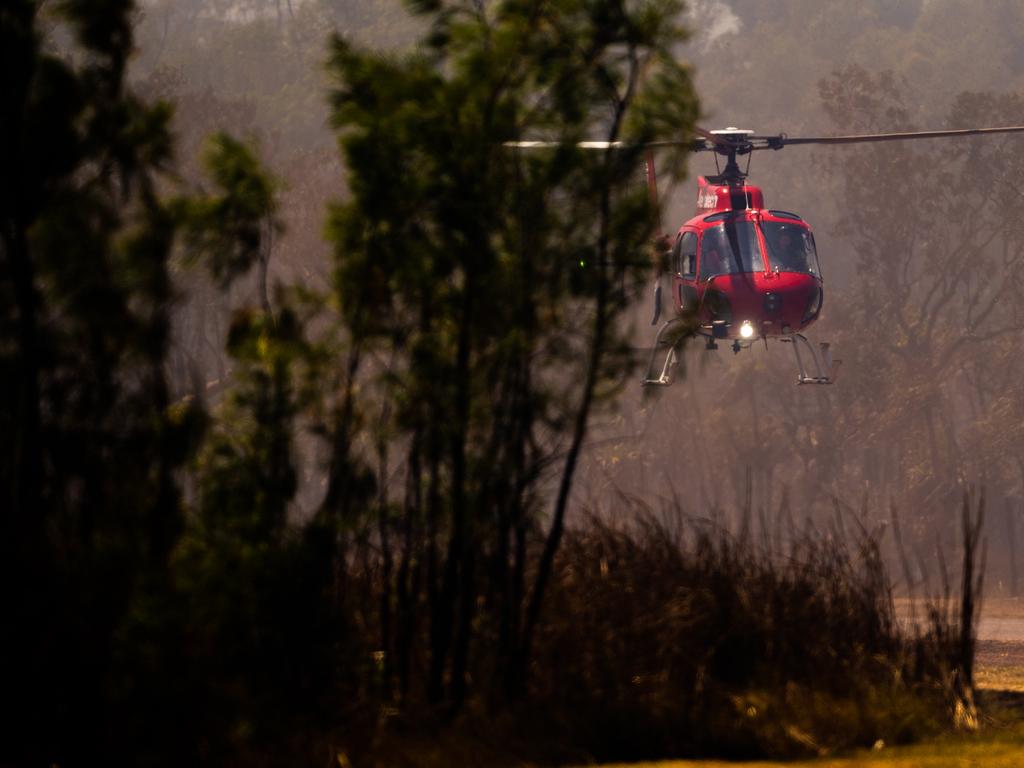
x,y
665,376
825,366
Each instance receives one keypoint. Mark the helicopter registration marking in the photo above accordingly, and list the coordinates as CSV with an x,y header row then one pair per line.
x,y
707,199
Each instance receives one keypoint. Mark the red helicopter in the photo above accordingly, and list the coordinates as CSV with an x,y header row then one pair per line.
x,y
740,271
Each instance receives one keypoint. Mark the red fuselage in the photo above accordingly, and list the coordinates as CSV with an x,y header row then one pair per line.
x,y
739,264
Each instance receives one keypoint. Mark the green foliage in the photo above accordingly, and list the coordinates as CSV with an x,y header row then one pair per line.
x,y
227,229
116,603
246,473
249,587
445,220
492,281
90,507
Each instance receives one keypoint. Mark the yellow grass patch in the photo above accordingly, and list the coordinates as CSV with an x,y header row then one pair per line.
x,y
997,754
1010,678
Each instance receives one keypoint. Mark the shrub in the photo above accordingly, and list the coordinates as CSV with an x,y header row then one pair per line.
x,y
659,644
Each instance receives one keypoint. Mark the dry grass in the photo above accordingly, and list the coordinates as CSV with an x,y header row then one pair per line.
x,y
1004,749
1000,678
1002,607
999,745
982,755
668,639
1000,650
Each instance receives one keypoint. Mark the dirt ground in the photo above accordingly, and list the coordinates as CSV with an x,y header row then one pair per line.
x,y
999,663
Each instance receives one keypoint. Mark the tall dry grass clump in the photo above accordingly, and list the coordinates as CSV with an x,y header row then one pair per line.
x,y
676,638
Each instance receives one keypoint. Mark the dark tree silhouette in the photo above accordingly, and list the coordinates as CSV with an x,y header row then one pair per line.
x,y
90,506
93,446
486,285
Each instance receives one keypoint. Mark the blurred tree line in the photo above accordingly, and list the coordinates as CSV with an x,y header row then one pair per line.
x,y
253,68
163,602
920,254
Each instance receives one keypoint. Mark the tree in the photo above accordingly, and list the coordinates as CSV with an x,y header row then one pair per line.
x,y
939,278
87,489
477,294
97,584
481,288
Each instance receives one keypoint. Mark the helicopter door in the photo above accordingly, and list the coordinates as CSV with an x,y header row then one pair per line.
x,y
684,257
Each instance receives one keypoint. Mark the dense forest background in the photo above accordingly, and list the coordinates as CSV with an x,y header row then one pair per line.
x,y
919,249
921,260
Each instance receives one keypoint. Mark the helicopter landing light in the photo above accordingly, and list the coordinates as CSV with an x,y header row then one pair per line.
x,y
746,330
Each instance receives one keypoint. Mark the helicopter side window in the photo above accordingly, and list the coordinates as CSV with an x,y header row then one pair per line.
x,y
687,263
790,247
729,249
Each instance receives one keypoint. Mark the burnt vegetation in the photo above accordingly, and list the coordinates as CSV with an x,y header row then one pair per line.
x,y
312,439
672,637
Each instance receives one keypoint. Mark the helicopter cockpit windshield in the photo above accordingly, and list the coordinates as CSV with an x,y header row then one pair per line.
x,y
790,247
730,248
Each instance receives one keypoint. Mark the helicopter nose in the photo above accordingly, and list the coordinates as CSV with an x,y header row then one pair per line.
x,y
772,305
792,302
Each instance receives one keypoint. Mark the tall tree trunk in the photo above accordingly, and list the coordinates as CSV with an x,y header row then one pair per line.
x,y
970,586
597,349
407,581
1011,544
25,514
460,541
387,559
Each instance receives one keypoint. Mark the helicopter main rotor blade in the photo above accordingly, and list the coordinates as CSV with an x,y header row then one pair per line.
x,y
695,145
711,142
554,144
777,142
